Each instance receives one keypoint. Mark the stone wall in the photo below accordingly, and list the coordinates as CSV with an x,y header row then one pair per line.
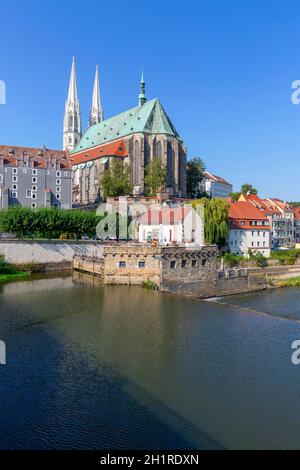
x,y
46,252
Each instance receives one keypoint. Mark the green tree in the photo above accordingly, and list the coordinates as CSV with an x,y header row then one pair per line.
x,y
235,196
248,189
116,180
155,176
195,174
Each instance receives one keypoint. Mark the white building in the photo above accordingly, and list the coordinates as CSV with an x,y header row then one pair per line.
x,y
249,230
215,186
172,225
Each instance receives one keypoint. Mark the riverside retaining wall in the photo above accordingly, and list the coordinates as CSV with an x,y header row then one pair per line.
x,y
44,252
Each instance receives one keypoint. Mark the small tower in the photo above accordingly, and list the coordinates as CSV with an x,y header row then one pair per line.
x,y
72,120
142,95
96,113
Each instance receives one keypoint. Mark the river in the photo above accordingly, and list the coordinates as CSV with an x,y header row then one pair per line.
x,y
119,367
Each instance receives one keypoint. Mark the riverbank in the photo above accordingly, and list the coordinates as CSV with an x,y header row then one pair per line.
x,y
14,276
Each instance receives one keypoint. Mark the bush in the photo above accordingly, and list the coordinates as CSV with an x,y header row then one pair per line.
x,y
259,258
48,223
232,260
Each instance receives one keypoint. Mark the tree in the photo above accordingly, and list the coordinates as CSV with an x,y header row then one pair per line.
x,y
248,189
235,196
194,177
116,180
155,176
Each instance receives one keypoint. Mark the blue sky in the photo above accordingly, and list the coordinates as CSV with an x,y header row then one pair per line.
x,y
222,69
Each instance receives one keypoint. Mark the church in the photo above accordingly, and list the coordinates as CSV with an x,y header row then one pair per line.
x,y
136,136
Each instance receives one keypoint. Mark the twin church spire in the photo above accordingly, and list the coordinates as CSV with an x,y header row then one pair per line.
x,y
72,120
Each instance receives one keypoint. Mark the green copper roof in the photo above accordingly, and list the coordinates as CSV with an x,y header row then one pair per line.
x,y
150,118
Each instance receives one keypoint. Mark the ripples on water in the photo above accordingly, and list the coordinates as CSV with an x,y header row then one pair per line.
x,y
124,367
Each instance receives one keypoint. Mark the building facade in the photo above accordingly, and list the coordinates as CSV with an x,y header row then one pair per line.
x,y
215,186
249,230
33,177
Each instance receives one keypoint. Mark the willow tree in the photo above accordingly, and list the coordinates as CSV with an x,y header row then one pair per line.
x,y
215,220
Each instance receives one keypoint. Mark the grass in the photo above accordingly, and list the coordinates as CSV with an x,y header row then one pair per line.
x,y
150,285
292,282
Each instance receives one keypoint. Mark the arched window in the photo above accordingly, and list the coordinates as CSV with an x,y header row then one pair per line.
x,y
170,160
1,179
157,149
136,162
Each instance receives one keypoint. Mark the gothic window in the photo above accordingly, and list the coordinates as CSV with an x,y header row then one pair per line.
x,y
157,149
170,160
70,140
136,162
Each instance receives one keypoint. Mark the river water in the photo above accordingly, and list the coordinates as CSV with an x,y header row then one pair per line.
x,y
119,367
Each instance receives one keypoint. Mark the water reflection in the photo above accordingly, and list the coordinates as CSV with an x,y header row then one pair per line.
x,y
124,367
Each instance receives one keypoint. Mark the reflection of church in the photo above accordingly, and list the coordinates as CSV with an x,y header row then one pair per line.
x,y
137,136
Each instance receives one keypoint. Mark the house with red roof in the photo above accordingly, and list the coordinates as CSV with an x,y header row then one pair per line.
x,y
34,177
281,218
169,225
249,229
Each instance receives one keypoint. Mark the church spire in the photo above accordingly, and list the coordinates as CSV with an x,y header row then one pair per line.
x,y
96,113
72,121
142,95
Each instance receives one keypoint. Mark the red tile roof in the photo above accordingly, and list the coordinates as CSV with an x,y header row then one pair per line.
x,y
261,204
212,177
38,156
116,148
297,213
166,215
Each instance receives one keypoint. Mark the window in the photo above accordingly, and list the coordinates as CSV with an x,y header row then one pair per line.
x,y
58,174
183,263
122,264
34,188
34,172
28,193
33,205
58,181
57,196
33,195
141,264
173,264
25,171
58,189
15,187
194,263
14,194
15,179
15,171
252,234
204,262
34,179
65,173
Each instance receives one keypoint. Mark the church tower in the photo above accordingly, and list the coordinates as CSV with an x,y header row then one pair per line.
x,y
142,95
96,112
72,120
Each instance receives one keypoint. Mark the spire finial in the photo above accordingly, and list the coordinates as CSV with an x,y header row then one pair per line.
x,y
72,121
142,95
96,113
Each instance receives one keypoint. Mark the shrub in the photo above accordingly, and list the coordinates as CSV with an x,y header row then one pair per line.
x,y
232,260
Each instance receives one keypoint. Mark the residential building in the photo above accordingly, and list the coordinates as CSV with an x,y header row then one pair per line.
x,y
215,186
297,224
249,229
283,230
136,136
171,225
34,177
280,216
